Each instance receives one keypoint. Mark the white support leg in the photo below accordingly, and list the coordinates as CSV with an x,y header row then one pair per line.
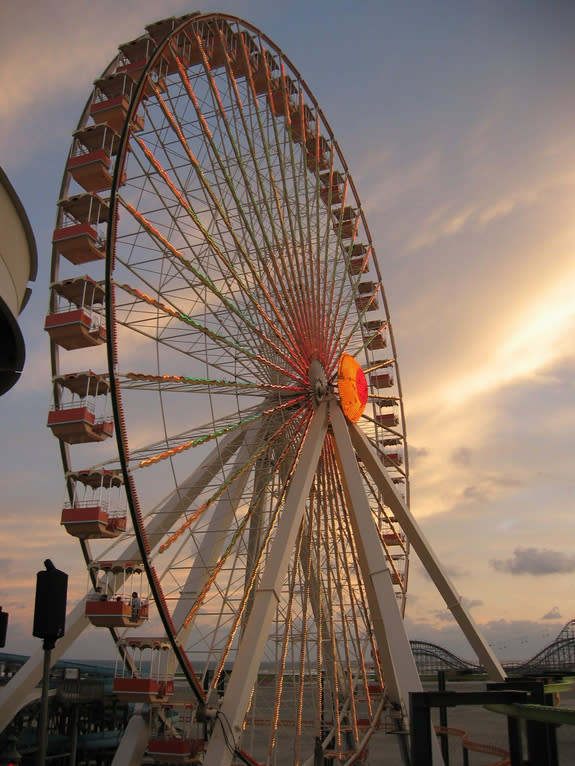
x,y
428,558
214,539
237,696
399,668
14,695
133,746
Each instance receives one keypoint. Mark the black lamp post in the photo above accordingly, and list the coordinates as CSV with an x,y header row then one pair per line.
x,y
49,624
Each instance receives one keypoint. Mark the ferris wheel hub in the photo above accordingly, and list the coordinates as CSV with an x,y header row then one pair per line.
x,y
318,381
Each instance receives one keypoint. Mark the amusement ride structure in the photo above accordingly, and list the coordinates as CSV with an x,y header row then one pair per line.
x,y
227,401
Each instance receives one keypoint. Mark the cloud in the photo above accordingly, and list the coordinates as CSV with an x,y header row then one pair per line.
x,y
552,614
480,451
546,323
461,456
416,454
445,615
536,561
487,487
50,57
450,569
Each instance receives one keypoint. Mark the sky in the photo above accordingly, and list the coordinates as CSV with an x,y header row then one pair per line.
x,y
456,121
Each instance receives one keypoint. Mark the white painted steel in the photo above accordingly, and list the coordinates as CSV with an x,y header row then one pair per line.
x,y
237,695
400,670
14,695
135,740
428,558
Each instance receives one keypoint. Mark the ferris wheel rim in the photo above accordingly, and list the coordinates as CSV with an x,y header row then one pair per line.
x,y
121,430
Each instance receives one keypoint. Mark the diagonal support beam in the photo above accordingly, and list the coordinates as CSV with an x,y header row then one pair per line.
x,y
15,694
426,555
250,652
399,668
213,541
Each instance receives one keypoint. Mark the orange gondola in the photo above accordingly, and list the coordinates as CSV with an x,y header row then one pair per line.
x,y
75,321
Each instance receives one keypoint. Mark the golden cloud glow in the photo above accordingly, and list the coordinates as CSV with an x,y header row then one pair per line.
x,y
542,334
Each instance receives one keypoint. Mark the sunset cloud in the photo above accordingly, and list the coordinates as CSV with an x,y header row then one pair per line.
x,y
536,561
552,614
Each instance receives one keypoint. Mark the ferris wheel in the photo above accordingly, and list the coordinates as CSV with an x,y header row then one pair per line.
x,y
228,405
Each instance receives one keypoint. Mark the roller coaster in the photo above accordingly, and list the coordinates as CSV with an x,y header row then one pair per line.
x,y
558,657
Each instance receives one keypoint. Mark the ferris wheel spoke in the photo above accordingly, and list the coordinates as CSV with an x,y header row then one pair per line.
x,y
279,300
358,610
305,574
206,186
339,300
285,639
261,450
168,512
179,443
335,533
199,276
245,606
350,320
279,226
327,264
240,315
221,169
337,292
297,267
292,273
213,540
140,326
142,381
260,194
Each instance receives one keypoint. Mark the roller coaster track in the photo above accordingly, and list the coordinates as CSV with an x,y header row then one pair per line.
x,y
558,657
430,658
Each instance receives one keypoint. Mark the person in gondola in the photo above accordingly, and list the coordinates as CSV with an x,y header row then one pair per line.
x,y
136,603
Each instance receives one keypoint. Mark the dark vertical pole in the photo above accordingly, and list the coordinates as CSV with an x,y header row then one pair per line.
x,y
420,723
537,732
441,685
75,722
552,735
514,738
43,722
3,627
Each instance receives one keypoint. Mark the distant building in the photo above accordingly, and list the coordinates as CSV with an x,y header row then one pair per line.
x,y
18,266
